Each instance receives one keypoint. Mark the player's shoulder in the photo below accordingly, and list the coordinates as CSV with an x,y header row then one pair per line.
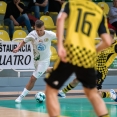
x,y
50,32
89,4
32,33
94,6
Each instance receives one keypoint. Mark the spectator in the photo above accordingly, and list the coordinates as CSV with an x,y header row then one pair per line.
x,y
12,16
38,6
55,5
113,15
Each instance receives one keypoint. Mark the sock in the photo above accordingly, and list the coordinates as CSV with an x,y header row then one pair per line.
x,y
67,88
25,92
105,94
107,115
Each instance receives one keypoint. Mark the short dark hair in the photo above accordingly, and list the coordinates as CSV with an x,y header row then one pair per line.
x,y
112,32
39,23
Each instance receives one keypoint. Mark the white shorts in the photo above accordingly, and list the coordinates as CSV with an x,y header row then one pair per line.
x,y
40,67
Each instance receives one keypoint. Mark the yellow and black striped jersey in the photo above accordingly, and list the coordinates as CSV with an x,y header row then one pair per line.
x,y
106,57
85,19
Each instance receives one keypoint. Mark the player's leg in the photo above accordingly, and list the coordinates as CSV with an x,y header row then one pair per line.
x,y
31,83
108,94
97,102
105,94
54,82
100,79
41,67
88,78
27,89
70,86
52,103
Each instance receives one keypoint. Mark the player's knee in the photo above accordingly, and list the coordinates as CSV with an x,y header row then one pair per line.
x,y
48,91
91,93
75,81
92,96
51,92
100,93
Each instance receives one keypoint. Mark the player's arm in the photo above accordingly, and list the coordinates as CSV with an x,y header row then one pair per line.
x,y
60,22
23,42
19,46
60,26
106,42
60,30
104,34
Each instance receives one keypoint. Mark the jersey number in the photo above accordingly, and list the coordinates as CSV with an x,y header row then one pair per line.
x,y
84,22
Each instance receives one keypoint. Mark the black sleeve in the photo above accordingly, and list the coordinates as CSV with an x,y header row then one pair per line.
x,y
65,8
103,26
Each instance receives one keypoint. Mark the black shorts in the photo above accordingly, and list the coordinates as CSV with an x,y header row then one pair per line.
x,y
87,76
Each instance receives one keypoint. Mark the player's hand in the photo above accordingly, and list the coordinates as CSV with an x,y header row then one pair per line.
x,y
15,50
62,53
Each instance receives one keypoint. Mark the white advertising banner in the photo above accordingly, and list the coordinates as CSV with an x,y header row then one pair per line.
x,y
20,60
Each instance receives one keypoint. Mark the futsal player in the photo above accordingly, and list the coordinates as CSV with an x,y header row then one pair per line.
x,y
41,41
78,53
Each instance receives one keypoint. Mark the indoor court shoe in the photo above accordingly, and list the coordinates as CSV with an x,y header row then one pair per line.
x,y
19,99
61,94
113,95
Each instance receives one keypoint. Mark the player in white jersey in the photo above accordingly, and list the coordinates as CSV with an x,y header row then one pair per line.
x,y
41,41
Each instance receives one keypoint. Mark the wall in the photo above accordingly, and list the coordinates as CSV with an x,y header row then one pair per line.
x,y
10,82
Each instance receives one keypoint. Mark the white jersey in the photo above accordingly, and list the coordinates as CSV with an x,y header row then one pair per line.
x,y
41,45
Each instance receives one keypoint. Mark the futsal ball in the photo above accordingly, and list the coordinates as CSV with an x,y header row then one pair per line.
x,y
40,97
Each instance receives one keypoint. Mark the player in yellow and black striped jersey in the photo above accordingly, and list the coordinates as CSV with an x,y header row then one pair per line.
x,y
103,60
78,54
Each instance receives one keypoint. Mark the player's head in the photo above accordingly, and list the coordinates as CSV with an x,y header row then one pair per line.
x,y
115,3
112,33
39,27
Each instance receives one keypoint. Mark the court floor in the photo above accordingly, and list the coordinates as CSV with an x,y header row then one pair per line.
x,y
70,107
